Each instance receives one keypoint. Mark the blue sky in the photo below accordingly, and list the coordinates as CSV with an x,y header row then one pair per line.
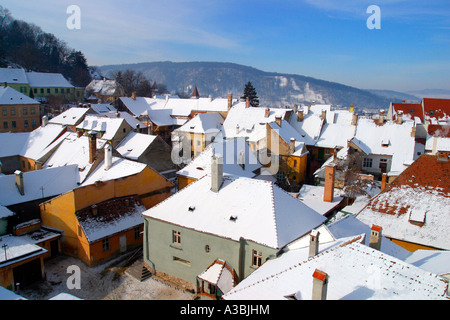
x,y
325,39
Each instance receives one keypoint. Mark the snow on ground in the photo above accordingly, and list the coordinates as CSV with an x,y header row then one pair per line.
x,y
107,281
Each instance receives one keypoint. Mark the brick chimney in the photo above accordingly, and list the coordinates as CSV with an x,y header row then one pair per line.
x,y
328,193
323,116
381,117
313,243
320,285
292,146
230,101
375,237
354,119
295,108
19,181
108,156
278,120
383,181
300,115
216,172
133,95
92,146
247,102
266,113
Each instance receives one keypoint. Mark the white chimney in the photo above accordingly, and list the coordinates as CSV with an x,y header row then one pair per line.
x,y
320,285
216,172
108,156
237,129
44,121
313,243
19,181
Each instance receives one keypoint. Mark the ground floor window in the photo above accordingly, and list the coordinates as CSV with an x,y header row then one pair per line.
x,y
105,245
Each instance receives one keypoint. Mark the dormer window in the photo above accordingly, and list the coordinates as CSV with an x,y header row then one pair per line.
x,y
191,208
233,218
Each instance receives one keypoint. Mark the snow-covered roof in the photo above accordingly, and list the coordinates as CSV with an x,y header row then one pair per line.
x,y
73,150
103,108
219,274
39,139
287,132
104,87
337,131
262,212
349,226
10,96
108,126
437,143
309,128
435,261
202,123
388,139
17,248
5,212
12,143
131,120
120,168
355,272
106,222
415,206
44,79
135,144
70,117
234,152
38,184
312,196
12,75
248,119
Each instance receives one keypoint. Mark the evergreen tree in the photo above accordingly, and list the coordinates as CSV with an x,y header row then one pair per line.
x,y
250,93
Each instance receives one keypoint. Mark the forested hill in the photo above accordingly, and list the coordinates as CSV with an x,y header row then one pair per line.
x,y
25,45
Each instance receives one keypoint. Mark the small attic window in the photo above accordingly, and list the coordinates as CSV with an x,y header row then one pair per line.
x,y
191,208
200,168
233,218
385,142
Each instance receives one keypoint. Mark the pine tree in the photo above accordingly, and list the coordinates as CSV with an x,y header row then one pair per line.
x,y
250,93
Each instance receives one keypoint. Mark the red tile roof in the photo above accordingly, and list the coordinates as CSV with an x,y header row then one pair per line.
x,y
439,130
413,109
436,108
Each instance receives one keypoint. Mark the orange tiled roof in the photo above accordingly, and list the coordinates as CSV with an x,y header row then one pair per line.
x,y
439,130
413,109
436,108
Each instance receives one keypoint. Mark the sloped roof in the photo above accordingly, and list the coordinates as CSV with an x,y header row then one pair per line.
x,y
200,166
355,271
18,248
410,110
10,96
220,274
415,206
203,123
70,117
113,216
436,110
38,184
104,87
40,138
109,126
135,144
44,79
12,75
262,212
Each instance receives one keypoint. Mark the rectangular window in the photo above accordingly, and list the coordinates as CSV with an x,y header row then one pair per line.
x,y
48,90
5,124
42,90
33,123
13,124
56,90
256,258
176,237
33,110
105,244
137,233
25,123
4,112
367,162
25,110
35,90
182,261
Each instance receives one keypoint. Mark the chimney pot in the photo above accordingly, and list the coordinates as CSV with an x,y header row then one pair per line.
x,y
216,172
133,95
247,102
267,113
328,193
381,117
230,101
295,108
375,237
323,116
300,115
399,117
383,181
44,121
320,285
19,181
354,119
